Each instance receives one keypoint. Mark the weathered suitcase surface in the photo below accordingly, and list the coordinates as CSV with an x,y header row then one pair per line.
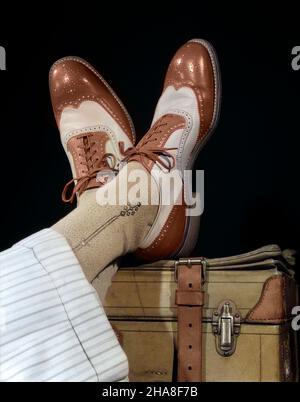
x,y
253,292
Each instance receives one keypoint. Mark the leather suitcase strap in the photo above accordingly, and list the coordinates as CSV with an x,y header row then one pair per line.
x,y
189,300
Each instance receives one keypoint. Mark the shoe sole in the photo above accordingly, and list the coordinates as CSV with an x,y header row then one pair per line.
x,y
190,237
91,68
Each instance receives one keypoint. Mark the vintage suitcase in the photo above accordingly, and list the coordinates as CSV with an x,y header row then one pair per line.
x,y
246,332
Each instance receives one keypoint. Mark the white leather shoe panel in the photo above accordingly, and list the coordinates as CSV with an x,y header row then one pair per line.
x,y
183,99
182,102
164,210
89,114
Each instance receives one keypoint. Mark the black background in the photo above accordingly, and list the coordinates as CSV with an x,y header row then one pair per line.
x,y
251,162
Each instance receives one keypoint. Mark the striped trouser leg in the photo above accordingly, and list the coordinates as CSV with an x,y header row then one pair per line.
x,y
52,324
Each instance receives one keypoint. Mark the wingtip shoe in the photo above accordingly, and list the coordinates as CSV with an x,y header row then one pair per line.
x,y
92,121
185,117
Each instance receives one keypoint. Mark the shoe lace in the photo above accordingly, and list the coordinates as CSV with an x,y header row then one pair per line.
x,y
92,164
145,150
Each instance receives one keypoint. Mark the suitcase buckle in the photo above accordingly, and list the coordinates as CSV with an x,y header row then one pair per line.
x,y
189,262
226,326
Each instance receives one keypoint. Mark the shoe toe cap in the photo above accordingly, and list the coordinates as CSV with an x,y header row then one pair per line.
x,y
71,82
192,64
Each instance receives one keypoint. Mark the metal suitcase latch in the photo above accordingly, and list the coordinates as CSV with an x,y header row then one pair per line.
x,y
226,326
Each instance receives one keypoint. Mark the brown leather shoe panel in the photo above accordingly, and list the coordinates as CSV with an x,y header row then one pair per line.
x,y
169,239
192,67
72,82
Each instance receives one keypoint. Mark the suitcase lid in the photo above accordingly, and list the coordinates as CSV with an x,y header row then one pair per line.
x,y
267,257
